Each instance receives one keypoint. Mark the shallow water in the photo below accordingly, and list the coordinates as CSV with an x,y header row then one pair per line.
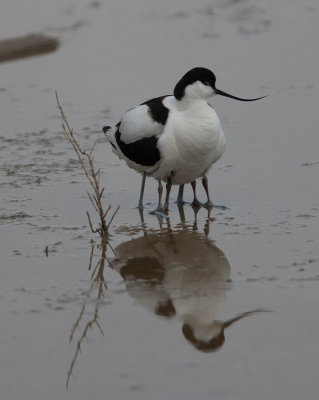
x,y
247,277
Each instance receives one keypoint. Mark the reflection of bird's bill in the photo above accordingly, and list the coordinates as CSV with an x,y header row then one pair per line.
x,y
244,315
216,341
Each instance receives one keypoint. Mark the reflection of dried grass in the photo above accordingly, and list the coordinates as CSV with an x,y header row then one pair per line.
x,y
93,176
97,282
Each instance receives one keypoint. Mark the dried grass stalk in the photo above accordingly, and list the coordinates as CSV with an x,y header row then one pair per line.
x,y
93,176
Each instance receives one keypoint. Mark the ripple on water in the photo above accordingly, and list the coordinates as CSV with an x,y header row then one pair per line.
x,y
6,218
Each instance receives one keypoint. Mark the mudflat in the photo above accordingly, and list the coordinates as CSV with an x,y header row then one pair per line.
x,y
203,304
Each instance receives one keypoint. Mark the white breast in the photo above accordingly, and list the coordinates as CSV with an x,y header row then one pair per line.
x,y
191,141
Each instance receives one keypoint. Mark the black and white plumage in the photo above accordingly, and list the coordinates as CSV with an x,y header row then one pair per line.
x,y
173,138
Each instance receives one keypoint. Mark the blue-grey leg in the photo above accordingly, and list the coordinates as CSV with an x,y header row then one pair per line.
x,y
209,203
168,191
195,202
181,214
159,207
180,195
205,184
140,202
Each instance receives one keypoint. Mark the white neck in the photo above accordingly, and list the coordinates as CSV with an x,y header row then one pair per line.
x,y
188,102
196,95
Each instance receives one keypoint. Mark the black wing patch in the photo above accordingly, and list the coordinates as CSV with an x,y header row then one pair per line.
x,y
157,110
143,152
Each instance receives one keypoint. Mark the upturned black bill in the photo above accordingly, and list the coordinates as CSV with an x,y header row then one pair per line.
x,y
217,91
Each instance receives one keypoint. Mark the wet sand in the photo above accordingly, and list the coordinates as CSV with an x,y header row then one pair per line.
x,y
178,310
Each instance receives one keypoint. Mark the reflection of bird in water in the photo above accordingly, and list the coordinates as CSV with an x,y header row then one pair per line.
x,y
179,274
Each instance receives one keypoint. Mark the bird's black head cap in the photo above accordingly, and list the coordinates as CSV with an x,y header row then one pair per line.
x,y
201,74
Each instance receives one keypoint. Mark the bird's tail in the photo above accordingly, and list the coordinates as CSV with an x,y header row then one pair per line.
x,y
106,129
109,134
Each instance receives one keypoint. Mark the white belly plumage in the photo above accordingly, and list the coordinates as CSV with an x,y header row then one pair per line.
x,y
187,154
